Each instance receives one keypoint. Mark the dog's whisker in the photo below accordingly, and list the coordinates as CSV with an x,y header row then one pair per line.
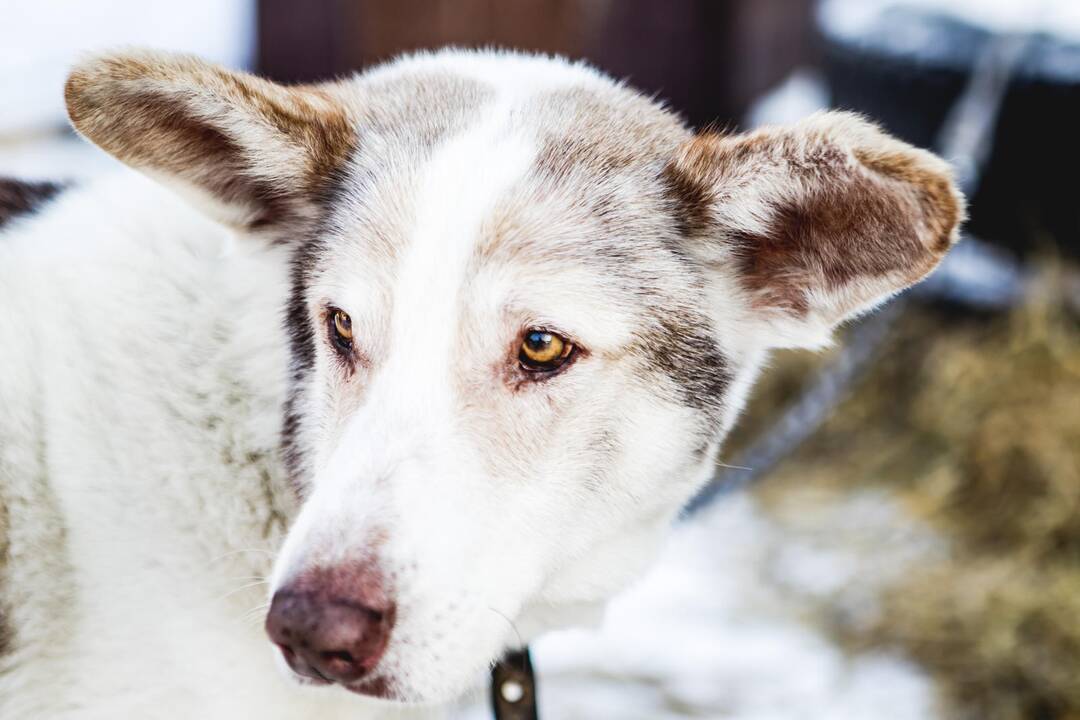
x,y
221,557
521,642
258,611
246,586
253,616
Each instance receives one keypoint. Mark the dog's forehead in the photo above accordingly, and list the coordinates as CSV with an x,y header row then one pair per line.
x,y
555,158
434,94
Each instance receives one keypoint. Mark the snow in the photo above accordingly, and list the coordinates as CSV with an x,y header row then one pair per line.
x,y
1057,17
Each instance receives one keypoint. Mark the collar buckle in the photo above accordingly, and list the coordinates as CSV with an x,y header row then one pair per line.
x,y
513,687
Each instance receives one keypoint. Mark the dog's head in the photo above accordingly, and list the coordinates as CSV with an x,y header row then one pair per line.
x,y
527,306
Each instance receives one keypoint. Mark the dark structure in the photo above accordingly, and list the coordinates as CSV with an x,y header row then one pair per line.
x,y
708,58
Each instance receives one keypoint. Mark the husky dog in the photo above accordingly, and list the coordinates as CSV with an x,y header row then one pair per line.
x,y
399,370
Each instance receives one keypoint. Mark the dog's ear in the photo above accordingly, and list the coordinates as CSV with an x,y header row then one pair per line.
x,y
256,154
813,223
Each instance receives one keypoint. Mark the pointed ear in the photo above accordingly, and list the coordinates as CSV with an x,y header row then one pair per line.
x,y
814,223
255,154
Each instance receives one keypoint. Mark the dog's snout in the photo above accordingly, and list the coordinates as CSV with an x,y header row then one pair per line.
x,y
332,626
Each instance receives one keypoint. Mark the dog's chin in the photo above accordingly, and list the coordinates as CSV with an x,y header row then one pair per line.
x,y
533,621
382,689
378,688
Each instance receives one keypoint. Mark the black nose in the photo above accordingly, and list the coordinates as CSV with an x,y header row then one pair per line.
x,y
329,636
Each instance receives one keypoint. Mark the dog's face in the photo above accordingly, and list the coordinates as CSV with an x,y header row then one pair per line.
x,y
527,306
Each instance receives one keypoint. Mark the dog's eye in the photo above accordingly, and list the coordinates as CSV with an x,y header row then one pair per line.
x,y
543,351
341,328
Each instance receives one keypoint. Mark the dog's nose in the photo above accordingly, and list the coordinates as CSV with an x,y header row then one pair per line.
x,y
329,635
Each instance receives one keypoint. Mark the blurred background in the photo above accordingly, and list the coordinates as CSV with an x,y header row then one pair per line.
x,y
896,531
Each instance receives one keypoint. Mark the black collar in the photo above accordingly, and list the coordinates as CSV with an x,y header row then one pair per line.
x,y
513,687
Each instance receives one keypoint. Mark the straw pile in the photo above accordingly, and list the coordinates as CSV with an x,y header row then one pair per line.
x,y
973,424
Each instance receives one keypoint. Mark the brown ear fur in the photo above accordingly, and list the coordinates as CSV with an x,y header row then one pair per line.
x,y
827,217
258,149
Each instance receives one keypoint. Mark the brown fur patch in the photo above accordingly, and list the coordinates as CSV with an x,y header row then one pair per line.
x,y
836,203
939,200
196,122
689,198
820,242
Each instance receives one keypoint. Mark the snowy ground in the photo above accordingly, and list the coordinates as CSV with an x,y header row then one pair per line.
x,y
1055,17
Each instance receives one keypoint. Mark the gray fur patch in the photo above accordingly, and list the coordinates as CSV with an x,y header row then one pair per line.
x,y
686,352
22,198
7,632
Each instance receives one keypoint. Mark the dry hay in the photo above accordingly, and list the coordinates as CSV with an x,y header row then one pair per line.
x,y
973,424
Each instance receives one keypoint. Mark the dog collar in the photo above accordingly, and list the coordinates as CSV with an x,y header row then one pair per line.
x,y
513,687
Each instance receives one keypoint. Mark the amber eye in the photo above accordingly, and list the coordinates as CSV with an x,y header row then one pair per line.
x,y
544,351
341,328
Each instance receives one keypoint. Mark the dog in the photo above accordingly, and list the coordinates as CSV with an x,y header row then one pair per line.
x,y
399,370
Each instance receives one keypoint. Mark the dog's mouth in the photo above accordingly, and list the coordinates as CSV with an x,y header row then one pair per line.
x,y
374,685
